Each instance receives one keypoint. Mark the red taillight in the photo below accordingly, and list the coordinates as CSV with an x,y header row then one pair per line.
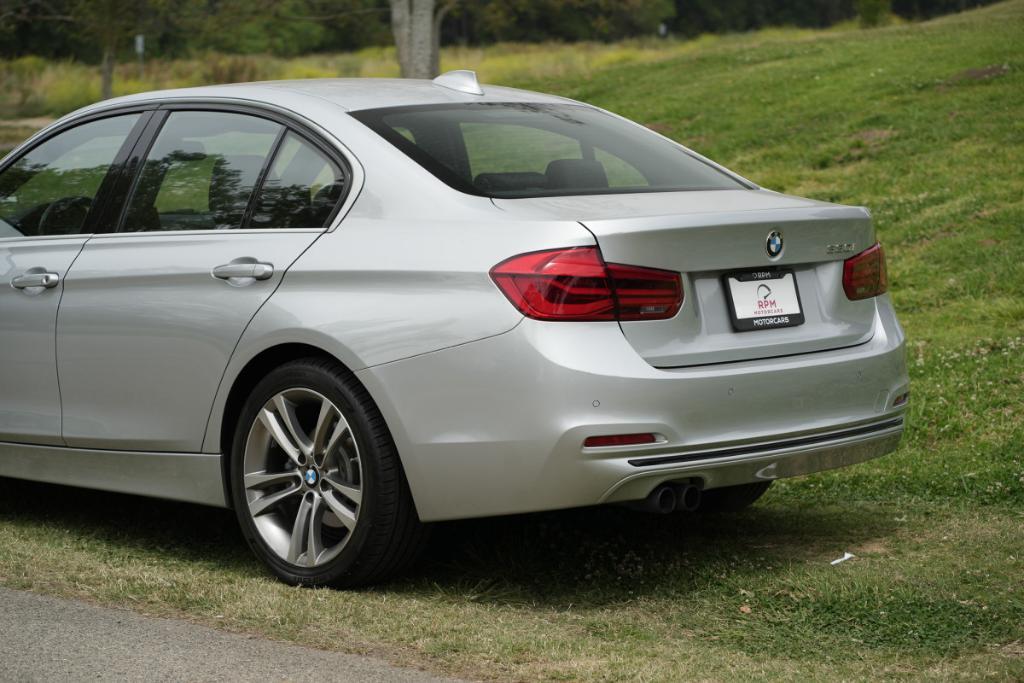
x,y
561,284
618,440
864,274
576,284
646,293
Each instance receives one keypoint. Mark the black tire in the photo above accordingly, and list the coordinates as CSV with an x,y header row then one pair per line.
x,y
732,498
388,536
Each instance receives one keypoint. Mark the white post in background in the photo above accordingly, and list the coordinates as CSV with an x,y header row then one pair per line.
x,y
140,51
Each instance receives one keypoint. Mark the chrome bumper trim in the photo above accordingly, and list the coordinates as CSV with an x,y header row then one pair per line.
x,y
716,471
765,447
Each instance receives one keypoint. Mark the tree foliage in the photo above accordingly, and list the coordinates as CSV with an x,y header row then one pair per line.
x,y
83,29
873,12
488,21
693,17
175,28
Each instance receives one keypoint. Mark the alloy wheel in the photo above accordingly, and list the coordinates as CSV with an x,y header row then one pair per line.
x,y
302,477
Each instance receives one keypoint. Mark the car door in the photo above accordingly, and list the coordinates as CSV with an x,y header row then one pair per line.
x,y
50,200
224,202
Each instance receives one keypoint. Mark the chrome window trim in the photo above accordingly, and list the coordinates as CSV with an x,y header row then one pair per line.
x,y
300,124
36,238
247,231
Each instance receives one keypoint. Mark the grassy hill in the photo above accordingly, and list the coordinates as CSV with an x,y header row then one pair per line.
x,y
924,124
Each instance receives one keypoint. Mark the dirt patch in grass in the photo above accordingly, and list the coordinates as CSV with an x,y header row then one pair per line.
x,y
873,547
874,136
980,74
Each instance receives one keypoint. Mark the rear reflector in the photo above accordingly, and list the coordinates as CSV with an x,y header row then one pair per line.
x,y
864,275
576,284
618,440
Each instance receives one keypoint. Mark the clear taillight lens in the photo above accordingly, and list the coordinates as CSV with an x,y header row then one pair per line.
x,y
864,275
576,284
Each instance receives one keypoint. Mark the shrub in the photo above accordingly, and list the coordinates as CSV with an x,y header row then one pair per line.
x,y
22,72
300,69
233,69
873,12
63,92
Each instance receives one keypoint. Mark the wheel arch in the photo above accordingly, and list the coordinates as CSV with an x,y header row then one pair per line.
x,y
246,379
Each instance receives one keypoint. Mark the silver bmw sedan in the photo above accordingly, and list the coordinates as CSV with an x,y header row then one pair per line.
x,y
346,308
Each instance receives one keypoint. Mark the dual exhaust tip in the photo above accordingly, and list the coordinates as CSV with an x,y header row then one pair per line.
x,y
667,498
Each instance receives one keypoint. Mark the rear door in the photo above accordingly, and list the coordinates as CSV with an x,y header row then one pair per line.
x,y
223,203
50,200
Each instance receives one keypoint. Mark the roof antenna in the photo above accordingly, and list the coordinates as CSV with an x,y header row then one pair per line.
x,y
461,80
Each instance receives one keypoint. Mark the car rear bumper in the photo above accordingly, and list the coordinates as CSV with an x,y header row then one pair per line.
x,y
497,426
762,461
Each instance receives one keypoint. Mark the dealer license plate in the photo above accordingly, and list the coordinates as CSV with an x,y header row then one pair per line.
x,y
763,300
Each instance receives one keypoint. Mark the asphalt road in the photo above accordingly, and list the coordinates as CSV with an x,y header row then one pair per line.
x,y
50,639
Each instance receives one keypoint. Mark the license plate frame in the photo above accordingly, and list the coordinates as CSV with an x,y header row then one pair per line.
x,y
749,282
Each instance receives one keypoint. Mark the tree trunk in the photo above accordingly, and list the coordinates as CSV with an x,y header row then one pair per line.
x,y
107,73
401,20
416,26
421,43
435,58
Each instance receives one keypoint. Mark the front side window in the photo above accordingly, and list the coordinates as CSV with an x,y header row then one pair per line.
x,y
201,172
516,150
52,188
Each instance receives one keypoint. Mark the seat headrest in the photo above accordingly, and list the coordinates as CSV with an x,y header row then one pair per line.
x,y
576,174
509,182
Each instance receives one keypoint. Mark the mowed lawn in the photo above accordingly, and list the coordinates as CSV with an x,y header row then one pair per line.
x,y
923,123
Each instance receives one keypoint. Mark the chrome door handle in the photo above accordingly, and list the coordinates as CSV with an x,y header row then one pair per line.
x,y
47,280
256,271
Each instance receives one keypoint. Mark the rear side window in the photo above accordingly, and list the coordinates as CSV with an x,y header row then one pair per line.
x,y
514,150
301,189
212,170
201,172
52,188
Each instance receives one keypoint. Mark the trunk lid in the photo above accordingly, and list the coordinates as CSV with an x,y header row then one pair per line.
x,y
707,235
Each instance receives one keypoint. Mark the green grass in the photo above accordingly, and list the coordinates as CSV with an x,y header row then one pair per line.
x,y
922,123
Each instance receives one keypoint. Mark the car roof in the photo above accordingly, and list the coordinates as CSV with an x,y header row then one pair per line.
x,y
350,94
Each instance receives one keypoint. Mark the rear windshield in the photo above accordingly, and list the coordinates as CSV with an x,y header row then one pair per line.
x,y
516,150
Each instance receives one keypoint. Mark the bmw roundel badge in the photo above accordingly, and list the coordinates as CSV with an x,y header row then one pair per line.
x,y
773,245
310,476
